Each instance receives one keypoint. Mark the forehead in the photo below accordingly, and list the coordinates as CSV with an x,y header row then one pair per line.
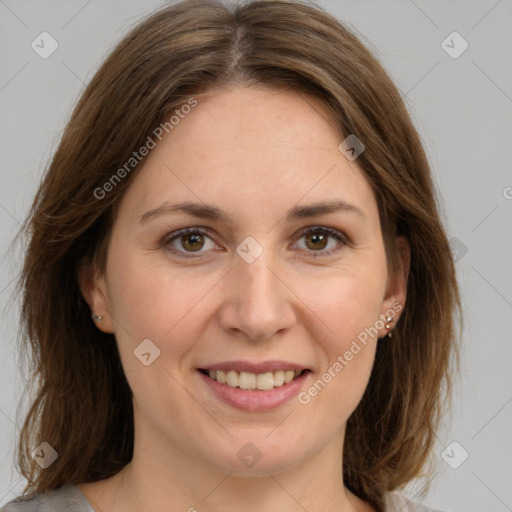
x,y
246,117
252,149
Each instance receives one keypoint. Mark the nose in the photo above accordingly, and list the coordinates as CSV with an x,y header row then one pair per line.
x,y
257,300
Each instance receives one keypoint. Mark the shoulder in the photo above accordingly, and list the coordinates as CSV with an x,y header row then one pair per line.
x,y
65,499
397,502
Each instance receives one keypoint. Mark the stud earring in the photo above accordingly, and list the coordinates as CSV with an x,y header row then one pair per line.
x,y
97,318
388,325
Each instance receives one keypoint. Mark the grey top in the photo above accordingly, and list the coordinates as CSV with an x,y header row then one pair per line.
x,y
70,499
65,499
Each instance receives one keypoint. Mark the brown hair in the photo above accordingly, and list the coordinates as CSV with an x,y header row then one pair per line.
x,y
82,406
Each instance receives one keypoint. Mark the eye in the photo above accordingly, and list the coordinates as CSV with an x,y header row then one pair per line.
x,y
188,241
317,240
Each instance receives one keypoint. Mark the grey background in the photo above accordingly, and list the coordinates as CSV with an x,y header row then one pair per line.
x,y
463,110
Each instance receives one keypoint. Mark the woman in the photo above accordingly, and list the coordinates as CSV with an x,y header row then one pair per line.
x,y
249,296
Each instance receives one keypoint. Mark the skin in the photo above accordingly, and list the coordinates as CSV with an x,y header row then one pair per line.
x,y
254,153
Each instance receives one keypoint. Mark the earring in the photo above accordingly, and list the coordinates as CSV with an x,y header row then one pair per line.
x,y
388,325
97,318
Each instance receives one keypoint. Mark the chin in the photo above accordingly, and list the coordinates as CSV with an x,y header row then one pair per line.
x,y
255,456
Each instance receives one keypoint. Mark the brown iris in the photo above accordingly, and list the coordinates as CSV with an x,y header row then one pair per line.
x,y
192,242
315,238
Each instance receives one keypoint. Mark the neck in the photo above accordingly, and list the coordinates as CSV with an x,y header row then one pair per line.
x,y
177,478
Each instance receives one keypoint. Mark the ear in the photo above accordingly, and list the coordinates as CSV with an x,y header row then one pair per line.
x,y
396,287
93,287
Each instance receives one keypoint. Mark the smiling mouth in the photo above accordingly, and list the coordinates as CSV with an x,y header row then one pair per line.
x,y
253,381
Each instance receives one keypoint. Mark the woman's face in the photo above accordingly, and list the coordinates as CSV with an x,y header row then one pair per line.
x,y
251,291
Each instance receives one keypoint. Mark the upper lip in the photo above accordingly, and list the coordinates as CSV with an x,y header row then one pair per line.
x,y
251,367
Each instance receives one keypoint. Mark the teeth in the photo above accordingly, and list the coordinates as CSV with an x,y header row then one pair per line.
x,y
259,381
279,378
247,380
288,376
232,379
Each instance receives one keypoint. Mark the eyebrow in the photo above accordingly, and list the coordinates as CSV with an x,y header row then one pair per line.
x,y
210,212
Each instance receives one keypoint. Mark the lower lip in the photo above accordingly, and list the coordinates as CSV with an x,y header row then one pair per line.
x,y
255,401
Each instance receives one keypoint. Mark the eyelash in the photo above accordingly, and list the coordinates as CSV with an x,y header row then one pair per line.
x,y
322,230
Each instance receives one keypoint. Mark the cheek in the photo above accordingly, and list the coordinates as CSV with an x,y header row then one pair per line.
x,y
349,314
163,306
347,302
156,302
